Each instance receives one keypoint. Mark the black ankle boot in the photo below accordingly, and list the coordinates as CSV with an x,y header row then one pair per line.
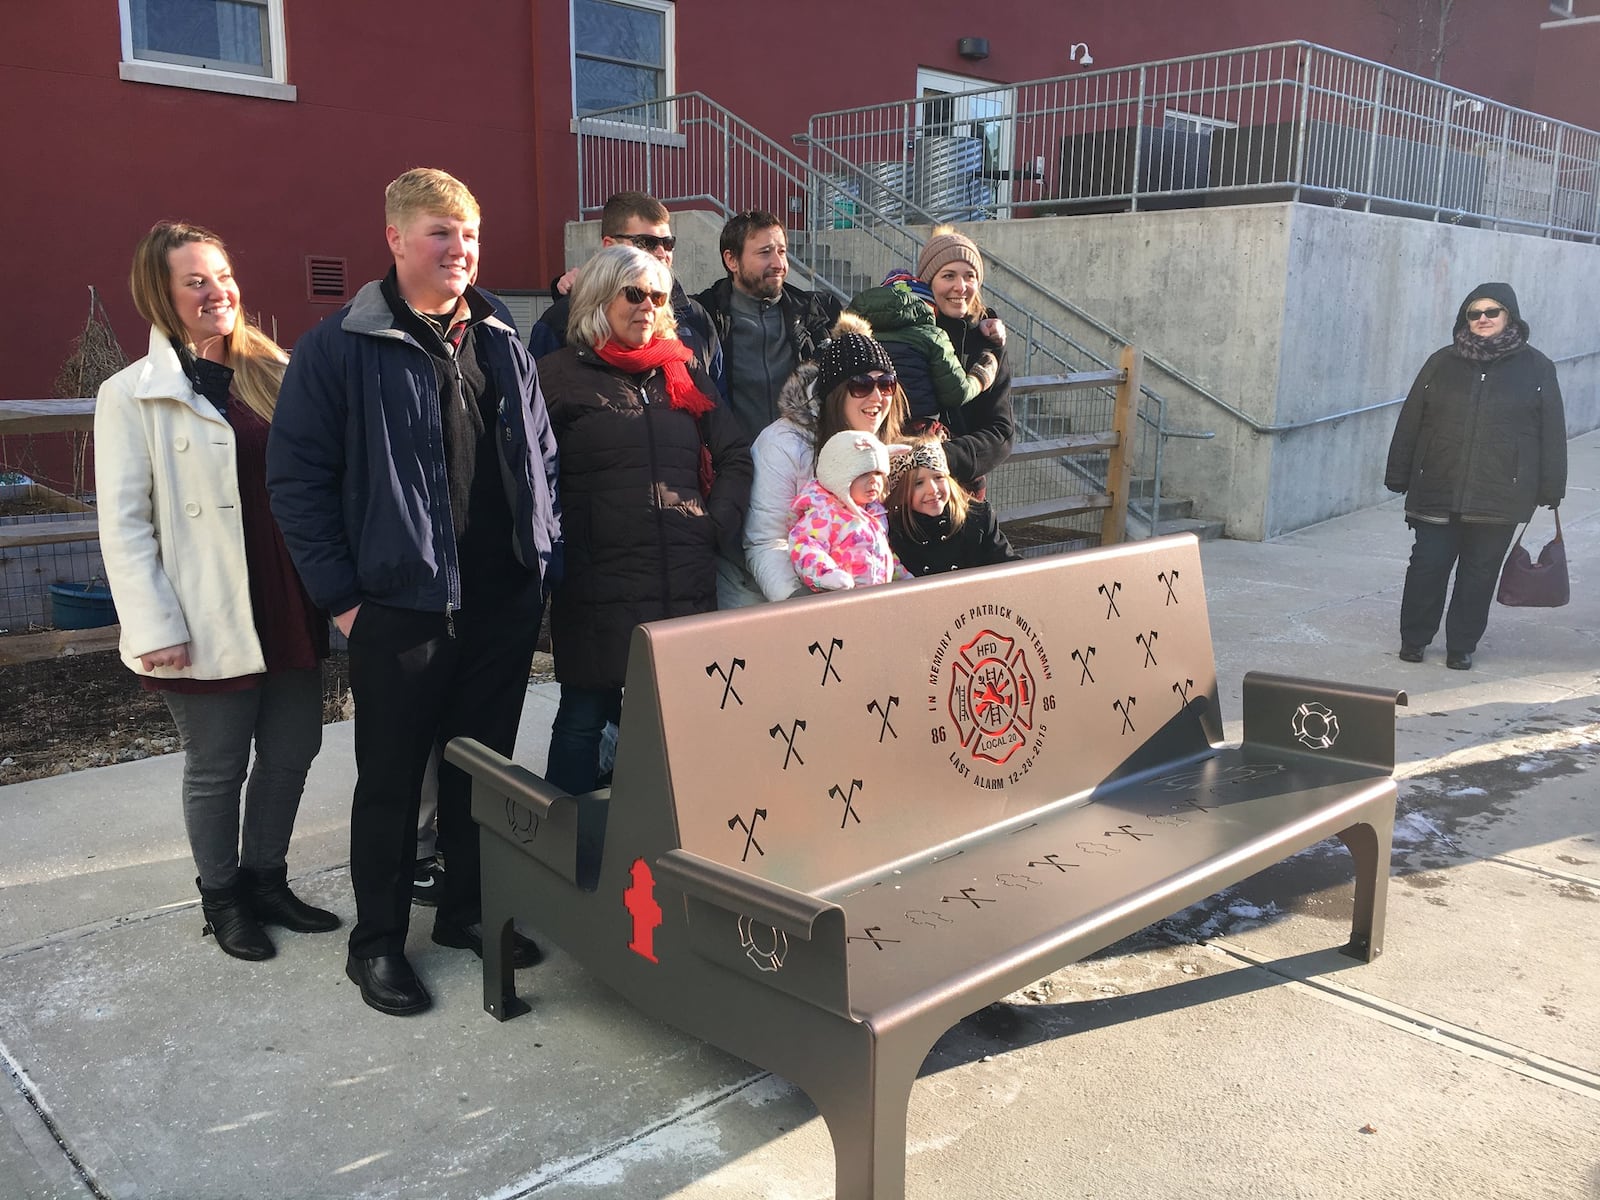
x,y
229,920
268,895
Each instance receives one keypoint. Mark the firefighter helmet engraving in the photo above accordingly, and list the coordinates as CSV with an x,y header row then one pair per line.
x,y
763,945
1315,726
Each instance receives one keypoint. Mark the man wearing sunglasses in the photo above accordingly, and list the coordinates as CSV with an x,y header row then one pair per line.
x,y
635,219
767,326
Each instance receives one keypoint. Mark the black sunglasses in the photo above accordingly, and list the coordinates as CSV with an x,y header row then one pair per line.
x,y
862,386
650,243
1478,314
638,295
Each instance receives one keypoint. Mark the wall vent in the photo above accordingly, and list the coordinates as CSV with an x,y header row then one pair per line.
x,y
326,279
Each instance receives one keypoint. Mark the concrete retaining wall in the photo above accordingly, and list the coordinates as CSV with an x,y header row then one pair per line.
x,y
1286,311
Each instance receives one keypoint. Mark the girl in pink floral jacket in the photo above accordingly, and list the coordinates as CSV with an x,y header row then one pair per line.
x,y
840,537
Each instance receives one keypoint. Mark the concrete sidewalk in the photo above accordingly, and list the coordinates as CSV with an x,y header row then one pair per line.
x,y
1229,1051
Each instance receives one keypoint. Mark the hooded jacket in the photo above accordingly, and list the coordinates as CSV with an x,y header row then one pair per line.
x,y
641,541
356,460
930,373
785,461
1485,440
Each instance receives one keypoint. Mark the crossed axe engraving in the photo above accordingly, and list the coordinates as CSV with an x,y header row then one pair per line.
x,y
827,658
715,669
1149,644
788,739
883,710
738,822
1182,688
838,793
1111,598
966,894
1050,860
1083,657
1127,716
1169,580
870,934
1126,831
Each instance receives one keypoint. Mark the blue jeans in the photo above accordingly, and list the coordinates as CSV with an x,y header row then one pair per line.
x,y
1473,550
574,762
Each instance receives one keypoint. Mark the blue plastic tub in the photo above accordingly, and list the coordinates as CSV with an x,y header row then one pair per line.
x,y
81,606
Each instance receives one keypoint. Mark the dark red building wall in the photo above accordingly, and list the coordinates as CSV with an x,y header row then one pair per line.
x,y
1568,82
386,84
383,85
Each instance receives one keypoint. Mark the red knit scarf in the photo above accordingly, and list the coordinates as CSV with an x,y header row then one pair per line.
x,y
671,356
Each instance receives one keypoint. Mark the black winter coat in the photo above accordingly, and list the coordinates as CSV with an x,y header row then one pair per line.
x,y
981,430
934,550
641,544
1487,440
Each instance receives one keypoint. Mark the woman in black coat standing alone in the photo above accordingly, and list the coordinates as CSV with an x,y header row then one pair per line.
x,y
639,436
1481,441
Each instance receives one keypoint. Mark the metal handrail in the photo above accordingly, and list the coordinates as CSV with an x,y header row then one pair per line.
x,y
1359,131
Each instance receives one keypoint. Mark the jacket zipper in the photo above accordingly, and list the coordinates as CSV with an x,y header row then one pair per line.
x,y
655,503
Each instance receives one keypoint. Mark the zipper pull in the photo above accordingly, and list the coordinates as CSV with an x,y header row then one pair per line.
x,y
449,621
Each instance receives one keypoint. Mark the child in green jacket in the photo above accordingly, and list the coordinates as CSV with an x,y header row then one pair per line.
x,y
900,311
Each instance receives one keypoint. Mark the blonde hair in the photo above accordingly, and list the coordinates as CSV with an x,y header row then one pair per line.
x,y
975,307
425,191
256,359
904,483
601,278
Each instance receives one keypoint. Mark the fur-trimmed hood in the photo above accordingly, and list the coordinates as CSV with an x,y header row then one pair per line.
x,y
798,400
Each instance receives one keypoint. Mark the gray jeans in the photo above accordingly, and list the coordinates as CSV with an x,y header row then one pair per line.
x,y
283,717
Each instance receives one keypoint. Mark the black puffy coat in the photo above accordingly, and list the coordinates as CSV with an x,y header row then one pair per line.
x,y
641,544
1487,440
933,549
981,430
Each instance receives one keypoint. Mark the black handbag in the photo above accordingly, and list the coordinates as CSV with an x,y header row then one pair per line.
x,y
1525,583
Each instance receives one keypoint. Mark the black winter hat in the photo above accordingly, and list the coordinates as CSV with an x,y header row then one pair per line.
x,y
1500,293
852,351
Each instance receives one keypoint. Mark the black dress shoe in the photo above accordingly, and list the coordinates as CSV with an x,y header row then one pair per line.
x,y
388,984
1458,662
525,952
1410,653
269,897
230,921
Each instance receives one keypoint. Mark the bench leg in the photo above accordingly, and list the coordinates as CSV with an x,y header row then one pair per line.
x,y
500,998
865,1106
1369,846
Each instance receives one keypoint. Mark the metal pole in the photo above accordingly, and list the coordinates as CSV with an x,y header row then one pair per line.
x,y
1372,143
1444,144
1298,177
1138,145
1555,180
1500,177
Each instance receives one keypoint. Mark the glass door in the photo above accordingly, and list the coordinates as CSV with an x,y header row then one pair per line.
x,y
961,170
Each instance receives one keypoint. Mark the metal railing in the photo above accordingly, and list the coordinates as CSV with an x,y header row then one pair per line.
x,y
692,153
1291,120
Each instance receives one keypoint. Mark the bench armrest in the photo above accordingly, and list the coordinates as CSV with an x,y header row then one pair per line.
x,y
796,913
1343,721
504,776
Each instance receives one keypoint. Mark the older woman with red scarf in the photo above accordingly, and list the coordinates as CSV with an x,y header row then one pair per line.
x,y
654,478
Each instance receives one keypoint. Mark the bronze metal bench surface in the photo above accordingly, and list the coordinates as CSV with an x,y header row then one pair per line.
x,y
839,825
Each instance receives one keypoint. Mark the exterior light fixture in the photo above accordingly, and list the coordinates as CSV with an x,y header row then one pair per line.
x,y
973,47
1086,59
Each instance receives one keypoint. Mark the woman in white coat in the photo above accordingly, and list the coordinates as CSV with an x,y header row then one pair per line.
x,y
851,384
213,614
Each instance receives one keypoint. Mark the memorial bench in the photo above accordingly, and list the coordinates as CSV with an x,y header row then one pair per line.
x,y
839,825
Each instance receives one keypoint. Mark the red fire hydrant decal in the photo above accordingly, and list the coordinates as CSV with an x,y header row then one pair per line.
x,y
640,901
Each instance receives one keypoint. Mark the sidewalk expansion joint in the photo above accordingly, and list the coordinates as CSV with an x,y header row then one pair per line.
x,y
556,1172
1457,1037
31,1097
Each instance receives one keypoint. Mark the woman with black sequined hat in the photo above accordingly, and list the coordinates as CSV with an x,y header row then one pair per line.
x,y
1481,442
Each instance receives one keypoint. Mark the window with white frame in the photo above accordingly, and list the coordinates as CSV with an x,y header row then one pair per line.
x,y
622,53
213,45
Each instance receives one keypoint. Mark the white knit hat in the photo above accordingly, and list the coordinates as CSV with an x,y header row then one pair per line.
x,y
849,454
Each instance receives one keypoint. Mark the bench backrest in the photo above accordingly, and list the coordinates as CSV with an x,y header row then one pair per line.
x,y
815,741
